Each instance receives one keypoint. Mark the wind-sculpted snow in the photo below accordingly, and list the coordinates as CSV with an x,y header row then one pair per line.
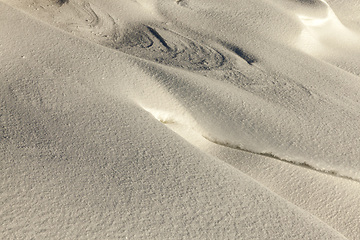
x,y
179,119
323,35
167,47
158,44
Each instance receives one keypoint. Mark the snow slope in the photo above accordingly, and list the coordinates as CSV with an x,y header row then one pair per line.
x,y
179,119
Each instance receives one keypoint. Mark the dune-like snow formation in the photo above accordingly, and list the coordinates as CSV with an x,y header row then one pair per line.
x,y
180,119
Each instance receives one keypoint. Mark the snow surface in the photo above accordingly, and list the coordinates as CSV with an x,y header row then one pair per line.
x,y
180,119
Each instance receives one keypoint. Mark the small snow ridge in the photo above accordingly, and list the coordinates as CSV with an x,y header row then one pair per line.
x,y
274,156
61,2
249,58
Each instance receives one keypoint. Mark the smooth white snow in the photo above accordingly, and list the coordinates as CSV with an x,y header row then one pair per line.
x,y
185,119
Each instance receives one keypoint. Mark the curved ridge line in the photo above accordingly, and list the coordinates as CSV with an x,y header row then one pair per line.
x,y
333,173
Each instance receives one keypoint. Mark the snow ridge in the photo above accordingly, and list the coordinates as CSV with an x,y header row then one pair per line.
x,y
274,156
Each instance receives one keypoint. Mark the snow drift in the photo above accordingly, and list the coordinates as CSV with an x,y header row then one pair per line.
x,y
179,119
